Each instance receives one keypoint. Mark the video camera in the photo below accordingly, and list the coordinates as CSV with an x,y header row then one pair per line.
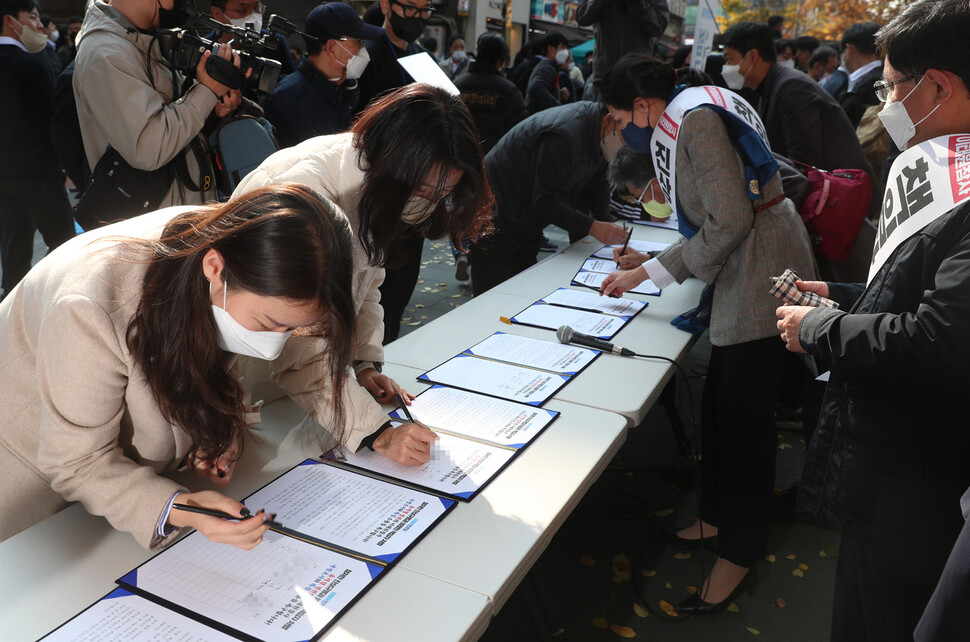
x,y
183,48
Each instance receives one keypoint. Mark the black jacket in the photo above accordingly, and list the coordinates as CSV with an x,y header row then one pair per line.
x,y
861,96
549,170
495,103
26,149
891,454
543,90
805,123
306,104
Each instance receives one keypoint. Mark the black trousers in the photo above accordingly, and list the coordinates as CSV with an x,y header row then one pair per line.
x,y
496,259
739,445
398,286
25,206
882,589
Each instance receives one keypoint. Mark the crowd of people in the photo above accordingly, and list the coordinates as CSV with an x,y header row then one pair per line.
x,y
318,250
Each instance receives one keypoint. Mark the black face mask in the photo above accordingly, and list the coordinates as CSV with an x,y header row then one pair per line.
x,y
407,28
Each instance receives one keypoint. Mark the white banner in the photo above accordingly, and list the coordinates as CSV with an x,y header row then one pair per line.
x,y
704,32
925,182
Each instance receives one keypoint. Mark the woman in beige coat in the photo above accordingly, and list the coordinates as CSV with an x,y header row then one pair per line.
x,y
117,352
409,169
736,244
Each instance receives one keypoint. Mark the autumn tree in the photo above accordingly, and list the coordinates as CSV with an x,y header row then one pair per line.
x,y
824,19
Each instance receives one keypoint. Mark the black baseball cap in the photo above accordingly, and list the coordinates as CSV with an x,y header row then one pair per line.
x,y
334,20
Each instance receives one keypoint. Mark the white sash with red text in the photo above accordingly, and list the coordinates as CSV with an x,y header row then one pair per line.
x,y
925,182
663,144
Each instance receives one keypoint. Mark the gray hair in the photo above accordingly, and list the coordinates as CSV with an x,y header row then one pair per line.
x,y
630,167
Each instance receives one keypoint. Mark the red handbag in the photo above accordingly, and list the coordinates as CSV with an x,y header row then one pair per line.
x,y
834,209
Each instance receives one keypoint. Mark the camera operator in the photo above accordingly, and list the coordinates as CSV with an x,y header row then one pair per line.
x,y
249,14
126,95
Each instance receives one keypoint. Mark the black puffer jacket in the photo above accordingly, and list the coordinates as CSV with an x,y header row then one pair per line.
x,y
891,454
495,103
549,169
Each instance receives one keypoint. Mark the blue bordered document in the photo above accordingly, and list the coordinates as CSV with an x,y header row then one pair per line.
x,y
513,367
590,302
552,317
478,436
342,531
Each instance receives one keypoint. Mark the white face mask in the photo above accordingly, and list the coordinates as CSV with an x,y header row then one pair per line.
x,y
562,56
255,18
732,76
357,63
459,56
33,41
234,337
787,63
897,122
54,36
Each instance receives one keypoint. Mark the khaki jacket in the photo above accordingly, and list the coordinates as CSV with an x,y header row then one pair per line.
x,y
118,105
735,248
328,165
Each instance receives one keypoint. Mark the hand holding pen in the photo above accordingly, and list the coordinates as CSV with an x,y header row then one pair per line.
x,y
408,443
220,519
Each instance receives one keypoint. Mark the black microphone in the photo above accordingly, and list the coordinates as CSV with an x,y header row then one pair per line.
x,y
565,334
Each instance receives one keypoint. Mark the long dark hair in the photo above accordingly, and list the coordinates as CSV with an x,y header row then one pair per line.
x,y
280,241
402,137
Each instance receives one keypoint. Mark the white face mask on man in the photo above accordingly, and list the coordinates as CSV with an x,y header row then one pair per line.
x,y
236,338
256,19
897,121
357,62
33,41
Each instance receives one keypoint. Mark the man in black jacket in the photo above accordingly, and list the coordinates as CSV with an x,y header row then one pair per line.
x,y
889,460
495,103
865,69
548,170
543,90
32,194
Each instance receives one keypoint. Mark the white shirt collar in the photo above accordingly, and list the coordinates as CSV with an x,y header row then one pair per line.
x,y
862,71
7,40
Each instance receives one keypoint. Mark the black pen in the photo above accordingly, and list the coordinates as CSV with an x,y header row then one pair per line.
x,y
404,407
218,513
627,242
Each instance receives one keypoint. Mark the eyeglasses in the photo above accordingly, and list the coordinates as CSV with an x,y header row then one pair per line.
x,y
410,11
882,87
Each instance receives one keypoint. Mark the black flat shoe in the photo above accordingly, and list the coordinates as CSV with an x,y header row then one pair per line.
x,y
694,605
675,540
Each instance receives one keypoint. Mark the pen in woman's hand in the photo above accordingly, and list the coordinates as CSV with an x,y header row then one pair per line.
x,y
245,512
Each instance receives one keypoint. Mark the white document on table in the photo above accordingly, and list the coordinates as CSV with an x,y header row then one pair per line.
x,y
595,280
466,414
606,252
591,302
606,266
122,616
534,353
458,468
364,515
503,380
542,315
284,590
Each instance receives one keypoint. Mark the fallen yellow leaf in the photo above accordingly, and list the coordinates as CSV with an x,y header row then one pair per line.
x,y
587,560
623,631
419,305
681,556
415,323
798,572
733,608
640,611
669,585
601,623
823,554
648,573
691,589
790,556
668,608
771,558
781,602
804,567
621,562
753,631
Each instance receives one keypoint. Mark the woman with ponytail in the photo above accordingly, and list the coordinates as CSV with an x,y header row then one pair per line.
x,y
739,230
